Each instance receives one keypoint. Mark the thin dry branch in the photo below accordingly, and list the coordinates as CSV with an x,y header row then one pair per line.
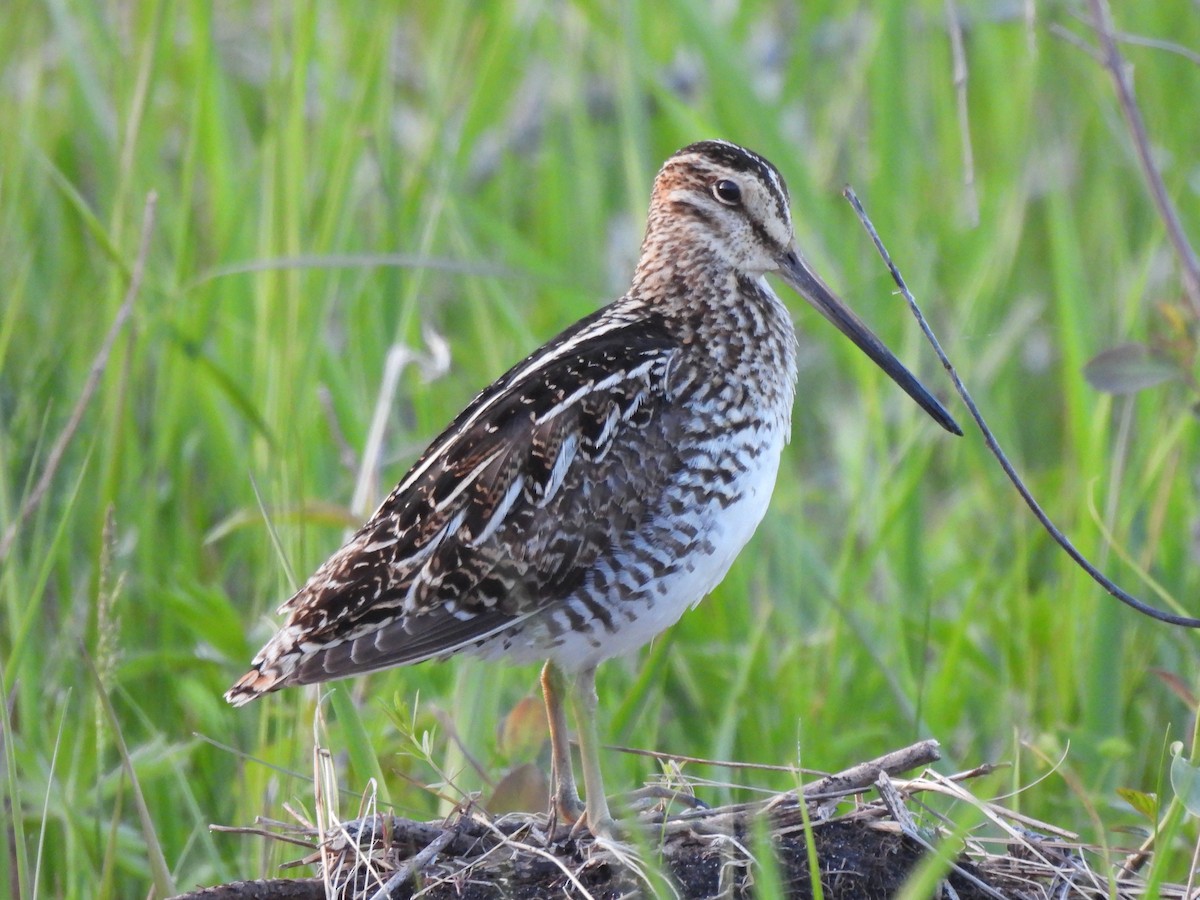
x,y
864,775
959,55
993,444
1115,63
414,866
868,851
1159,44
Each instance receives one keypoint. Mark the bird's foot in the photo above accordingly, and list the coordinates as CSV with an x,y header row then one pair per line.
x,y
602,829
571,819
566,812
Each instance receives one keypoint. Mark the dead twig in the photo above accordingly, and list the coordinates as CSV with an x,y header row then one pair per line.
x,y
414,866
959,55
894,804
1113,61
1139,40
863,775
663,756
1158,44
993,445
868,851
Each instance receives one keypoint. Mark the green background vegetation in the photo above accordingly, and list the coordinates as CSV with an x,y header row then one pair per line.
x,y
897,590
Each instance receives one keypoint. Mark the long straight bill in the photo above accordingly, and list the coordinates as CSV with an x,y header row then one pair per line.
x,y
800,277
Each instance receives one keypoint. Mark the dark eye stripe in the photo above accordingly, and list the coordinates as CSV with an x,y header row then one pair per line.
x,y
739,159
693,210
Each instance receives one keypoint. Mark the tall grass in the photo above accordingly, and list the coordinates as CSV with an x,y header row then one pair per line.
x,y
487,166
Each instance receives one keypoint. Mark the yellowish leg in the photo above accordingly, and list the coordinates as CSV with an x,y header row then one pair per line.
x,y
564,795
583,699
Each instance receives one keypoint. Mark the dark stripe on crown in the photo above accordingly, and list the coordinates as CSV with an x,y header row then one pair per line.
x,y
737,158
742,160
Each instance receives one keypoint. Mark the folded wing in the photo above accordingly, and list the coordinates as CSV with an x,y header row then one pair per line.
x,y
493,523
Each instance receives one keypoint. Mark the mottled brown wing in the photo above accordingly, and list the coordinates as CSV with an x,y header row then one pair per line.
x,y
495,521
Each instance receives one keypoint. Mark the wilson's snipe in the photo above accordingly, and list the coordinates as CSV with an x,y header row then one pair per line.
x,y
601,487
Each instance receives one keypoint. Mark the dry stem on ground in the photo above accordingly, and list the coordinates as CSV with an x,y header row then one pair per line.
x,y
864,848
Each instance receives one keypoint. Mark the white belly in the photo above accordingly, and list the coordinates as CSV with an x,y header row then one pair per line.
x,y
661,603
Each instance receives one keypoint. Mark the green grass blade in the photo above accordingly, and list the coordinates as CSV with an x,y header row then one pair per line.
x,y
164,884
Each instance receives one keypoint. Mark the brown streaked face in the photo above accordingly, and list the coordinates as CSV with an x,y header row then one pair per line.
x,y
738,206
737,201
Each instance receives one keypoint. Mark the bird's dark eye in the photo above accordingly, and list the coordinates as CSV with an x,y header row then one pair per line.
x,y
727,192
